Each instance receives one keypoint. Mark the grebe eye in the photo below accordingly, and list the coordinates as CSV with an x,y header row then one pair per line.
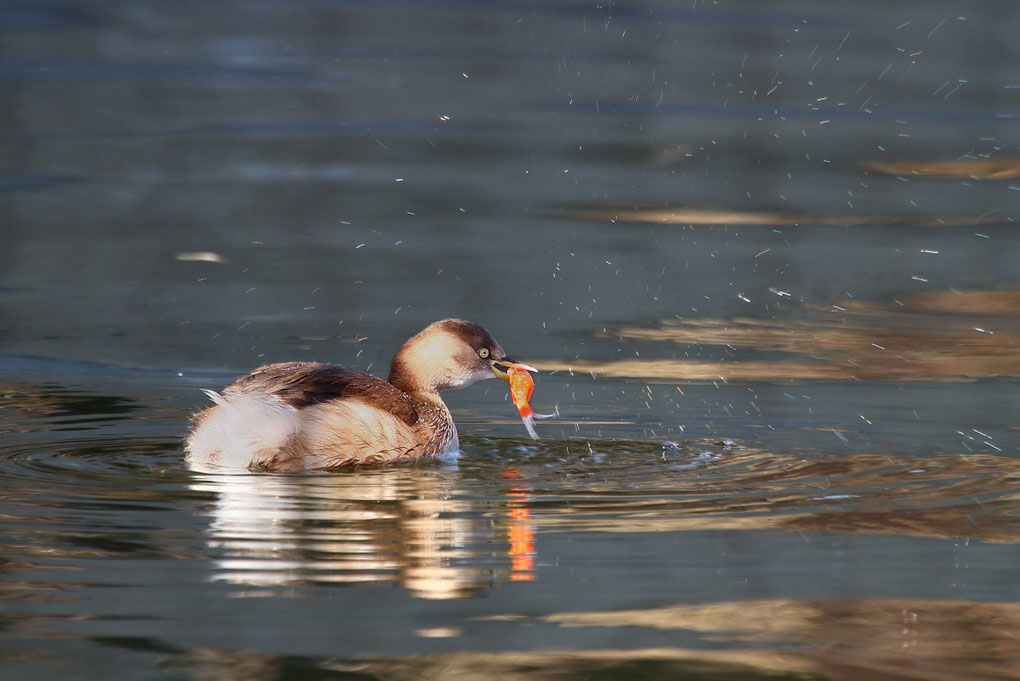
x,y
484,353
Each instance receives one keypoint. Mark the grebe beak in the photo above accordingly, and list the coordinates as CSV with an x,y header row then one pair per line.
x,y
500,366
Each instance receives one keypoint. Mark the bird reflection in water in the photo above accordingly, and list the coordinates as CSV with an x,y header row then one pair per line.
x,y
414,526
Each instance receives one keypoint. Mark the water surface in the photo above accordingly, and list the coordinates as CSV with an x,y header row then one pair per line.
x,y
764,257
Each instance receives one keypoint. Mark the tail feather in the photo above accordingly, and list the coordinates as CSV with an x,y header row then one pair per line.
x,y
229,433
217,398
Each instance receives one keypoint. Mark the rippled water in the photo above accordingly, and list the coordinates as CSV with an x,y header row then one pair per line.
x,y
764,257
820,553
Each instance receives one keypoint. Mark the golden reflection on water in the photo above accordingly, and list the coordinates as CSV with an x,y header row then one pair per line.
x,y
938,336
1001,168
690,215
845,638
876,639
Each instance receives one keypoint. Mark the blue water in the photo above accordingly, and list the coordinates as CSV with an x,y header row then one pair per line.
x,y
763,256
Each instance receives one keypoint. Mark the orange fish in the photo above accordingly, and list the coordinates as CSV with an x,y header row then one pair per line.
x,y
521,387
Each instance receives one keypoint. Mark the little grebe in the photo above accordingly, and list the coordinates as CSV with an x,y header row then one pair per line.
x,y
298,416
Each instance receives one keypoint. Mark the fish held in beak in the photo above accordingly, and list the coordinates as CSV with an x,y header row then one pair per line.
x,y
521,387
501,367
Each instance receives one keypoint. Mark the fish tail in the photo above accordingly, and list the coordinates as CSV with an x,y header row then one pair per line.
x,y
526,411
529,423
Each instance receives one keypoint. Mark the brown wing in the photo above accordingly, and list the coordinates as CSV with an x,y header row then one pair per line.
x,y
301,384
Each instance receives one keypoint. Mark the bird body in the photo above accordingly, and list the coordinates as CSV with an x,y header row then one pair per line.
x,y
299,416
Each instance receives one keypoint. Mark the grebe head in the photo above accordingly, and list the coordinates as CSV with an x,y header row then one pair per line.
x,y
450,353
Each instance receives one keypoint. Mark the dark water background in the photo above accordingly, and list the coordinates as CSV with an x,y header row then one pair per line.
x,y
765,252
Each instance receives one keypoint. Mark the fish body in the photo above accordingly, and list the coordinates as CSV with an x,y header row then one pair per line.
x,y
521,387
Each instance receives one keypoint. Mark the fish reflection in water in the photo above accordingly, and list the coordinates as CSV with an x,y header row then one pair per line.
x,y
521,528
408,525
